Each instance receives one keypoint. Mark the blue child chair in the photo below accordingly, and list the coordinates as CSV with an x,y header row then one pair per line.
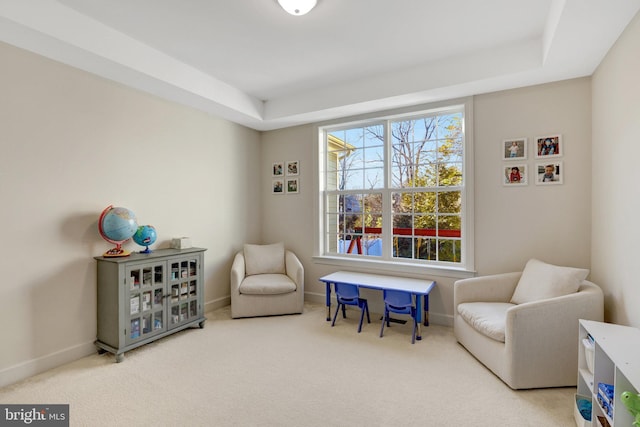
x,y
350,295
402,303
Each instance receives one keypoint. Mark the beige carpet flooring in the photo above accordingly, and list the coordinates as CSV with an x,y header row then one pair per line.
x,y
292,371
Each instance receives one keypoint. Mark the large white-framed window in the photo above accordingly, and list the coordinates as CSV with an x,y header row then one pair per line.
x,y
397,190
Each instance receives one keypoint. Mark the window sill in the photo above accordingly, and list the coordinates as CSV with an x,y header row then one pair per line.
x,y
395,267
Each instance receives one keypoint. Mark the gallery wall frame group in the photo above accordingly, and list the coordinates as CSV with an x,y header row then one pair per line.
x,y
548,169
286,177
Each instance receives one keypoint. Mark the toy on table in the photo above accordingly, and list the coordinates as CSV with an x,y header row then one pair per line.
x,y
632,403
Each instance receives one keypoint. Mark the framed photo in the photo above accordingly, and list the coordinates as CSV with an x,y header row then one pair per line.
x,y
515,174
277,169
549,146
293,168
293,186
277,187
549,173
514,149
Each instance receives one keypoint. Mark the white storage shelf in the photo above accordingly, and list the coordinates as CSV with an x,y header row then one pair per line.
x,y
616,361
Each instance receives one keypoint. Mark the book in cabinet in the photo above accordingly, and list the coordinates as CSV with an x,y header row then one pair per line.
x,y
608,360
144,297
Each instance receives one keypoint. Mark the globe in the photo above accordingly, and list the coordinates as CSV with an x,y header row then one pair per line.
x,y
145,236
117,225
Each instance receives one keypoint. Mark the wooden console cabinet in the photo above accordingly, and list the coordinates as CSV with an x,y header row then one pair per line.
x,y
144,297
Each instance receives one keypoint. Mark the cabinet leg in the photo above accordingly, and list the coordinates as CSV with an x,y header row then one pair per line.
x,y
119,357
101,351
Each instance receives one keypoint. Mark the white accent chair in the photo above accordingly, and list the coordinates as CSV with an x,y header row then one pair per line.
x,y
266,280
524,326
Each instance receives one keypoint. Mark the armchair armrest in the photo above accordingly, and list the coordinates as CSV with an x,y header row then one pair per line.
x,y
494,288
542,336
237,272
294,269
525,322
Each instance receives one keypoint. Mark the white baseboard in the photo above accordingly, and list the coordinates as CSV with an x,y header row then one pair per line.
x,y
217,303
37,366
315,297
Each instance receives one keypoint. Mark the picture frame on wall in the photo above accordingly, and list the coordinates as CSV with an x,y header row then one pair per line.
x,y
293,168
515,174
549,146
293,186
549,173
277,169
277,187
514,149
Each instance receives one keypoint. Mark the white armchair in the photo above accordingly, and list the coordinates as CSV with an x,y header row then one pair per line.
x,y
524,326
266,280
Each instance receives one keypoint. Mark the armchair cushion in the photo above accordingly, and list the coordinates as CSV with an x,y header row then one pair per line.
x,y
488,318
540,281
267,284
264,259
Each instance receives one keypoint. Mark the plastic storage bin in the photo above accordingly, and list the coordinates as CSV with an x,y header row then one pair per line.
x,y
589,353
581,409
582,402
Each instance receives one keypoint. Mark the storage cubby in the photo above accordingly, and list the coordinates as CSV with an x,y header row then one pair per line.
x,y
144,297
615,364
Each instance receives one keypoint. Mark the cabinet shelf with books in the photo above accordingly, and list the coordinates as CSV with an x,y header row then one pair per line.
x,y
608,365
144,297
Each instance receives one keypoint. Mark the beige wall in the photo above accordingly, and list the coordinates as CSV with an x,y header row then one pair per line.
x,y
551,223
512,224
73,143
616,176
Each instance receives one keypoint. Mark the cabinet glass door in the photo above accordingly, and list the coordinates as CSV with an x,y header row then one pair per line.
x,y
145,314
184,304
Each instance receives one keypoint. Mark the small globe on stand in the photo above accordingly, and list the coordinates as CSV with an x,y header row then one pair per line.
x,y
116,226
145,236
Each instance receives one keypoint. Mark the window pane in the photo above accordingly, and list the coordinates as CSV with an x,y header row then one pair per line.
x,y
424,202
350,203
451,150
374,179
403,247
449,202
402,202
426,173
450,174
449,251
449,226
373,218
425,225
372,245
374,157
373,203
401,222
374,136
425,249
352,179
351,223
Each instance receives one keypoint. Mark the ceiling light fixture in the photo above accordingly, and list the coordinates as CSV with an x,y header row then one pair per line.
x,y
297,7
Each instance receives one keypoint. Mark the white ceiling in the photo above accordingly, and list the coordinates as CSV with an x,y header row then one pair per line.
x,y
250,62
